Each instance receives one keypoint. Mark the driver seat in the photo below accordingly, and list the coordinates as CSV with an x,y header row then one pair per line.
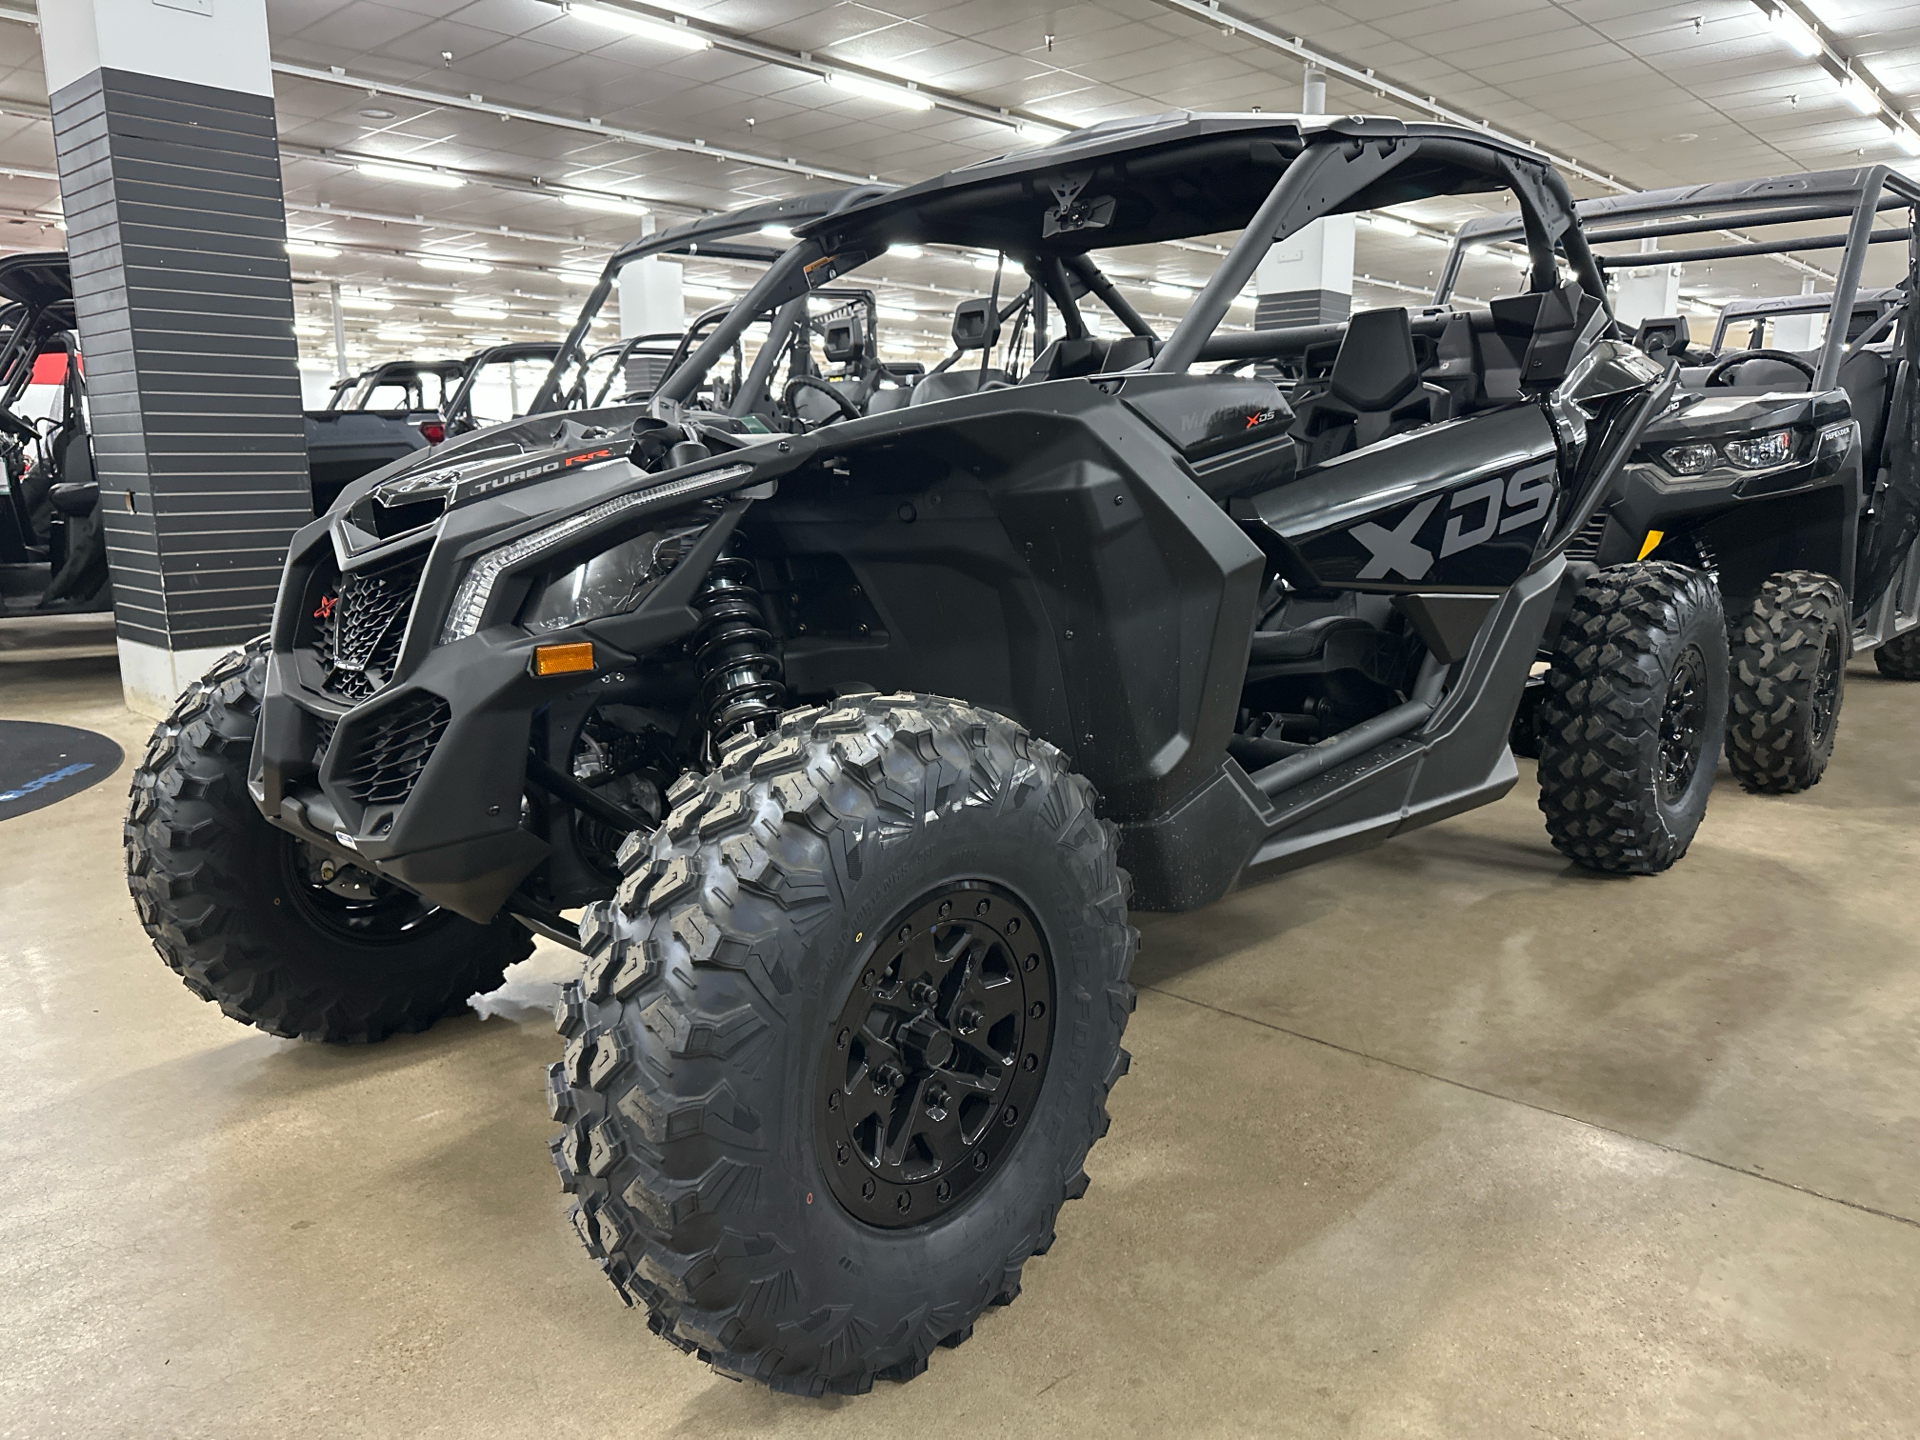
x,y
1374,390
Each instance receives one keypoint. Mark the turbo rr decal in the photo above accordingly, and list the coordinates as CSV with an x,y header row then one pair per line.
x,y
1481,533
484,484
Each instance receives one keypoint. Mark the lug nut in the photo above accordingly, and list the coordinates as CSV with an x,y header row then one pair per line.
x,y
869,1190
970,1019
924,992
946,907
904,1202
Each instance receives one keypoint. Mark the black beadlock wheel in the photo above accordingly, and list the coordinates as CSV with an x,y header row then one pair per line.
x,y
1789,659
1899,658
844,1040
277,934
1632,719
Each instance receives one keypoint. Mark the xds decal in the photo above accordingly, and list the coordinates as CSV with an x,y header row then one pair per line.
x,y
1475,514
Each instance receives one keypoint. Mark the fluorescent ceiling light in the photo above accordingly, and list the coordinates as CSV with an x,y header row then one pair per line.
x,y
878,90
776,232
454,265
577,277
986,262
418,174
1167,290
307,247
1793,32
706,292
364,302
1393,225
609,203
904,252
1906,139
660,30
1858,96
894,312
308,327
1477,248
478,310
1246,300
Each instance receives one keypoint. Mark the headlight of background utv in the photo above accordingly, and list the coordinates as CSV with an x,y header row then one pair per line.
x,y
1760,451
611,583
1689,459
476,588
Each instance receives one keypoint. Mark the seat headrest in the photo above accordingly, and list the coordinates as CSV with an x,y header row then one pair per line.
x,y
1375,368
845,338
975,325
1666,336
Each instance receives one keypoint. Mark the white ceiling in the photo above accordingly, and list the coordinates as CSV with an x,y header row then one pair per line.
x,y
1650,92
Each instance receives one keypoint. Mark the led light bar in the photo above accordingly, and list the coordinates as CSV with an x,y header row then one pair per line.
x,y
879,90
679,36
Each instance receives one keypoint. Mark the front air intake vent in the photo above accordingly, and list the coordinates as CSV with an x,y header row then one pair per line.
x,y
385,757
362,626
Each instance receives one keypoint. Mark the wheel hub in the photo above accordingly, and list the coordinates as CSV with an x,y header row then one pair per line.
x,y
929,1073
1681,724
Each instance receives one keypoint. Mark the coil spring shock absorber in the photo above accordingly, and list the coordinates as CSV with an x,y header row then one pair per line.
x,y
733,654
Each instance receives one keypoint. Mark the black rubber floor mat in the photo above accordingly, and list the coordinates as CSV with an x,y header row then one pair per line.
x,y
40,764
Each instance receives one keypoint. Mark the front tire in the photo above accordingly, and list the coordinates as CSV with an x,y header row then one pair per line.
x,y
1899,658
1789,658
844,1040
238,908
1631,724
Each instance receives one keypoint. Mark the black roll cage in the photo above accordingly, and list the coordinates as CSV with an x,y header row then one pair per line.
x,y
1139,182
711,235
1857,196
1878,303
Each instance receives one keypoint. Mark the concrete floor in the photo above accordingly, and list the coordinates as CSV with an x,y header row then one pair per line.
x,y
1447,1139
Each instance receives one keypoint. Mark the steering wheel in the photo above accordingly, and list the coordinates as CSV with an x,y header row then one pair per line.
x,y
1740,357
848,410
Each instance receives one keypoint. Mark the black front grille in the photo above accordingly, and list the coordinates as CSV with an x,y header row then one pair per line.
x,y
362,625
390,749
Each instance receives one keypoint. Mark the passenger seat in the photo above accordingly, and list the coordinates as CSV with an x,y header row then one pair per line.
x,y
1374,390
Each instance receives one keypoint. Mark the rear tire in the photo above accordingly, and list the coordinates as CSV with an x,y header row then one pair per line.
x,y
1899,658
1789,656
229,903
1631,724
776,1001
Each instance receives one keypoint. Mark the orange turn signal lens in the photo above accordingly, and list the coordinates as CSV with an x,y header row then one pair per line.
x,y
562,659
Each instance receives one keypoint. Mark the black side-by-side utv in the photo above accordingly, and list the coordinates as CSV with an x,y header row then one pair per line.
x,y
1792,475
53,545
857,736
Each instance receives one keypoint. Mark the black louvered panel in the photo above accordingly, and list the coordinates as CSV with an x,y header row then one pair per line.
x,y
362,628
391,749
1585,544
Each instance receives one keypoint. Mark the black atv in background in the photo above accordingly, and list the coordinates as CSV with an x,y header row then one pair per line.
x,y
53,544
1791,475
857,738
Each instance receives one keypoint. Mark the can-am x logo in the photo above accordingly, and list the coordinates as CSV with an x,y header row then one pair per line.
x,y
1477,513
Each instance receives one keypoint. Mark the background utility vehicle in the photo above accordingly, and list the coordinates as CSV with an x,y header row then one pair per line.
x,y
857,953
53,544
1791,474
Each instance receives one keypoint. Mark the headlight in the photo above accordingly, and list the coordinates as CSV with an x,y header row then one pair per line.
x,y
611,583
476,589
1761,451
1689,459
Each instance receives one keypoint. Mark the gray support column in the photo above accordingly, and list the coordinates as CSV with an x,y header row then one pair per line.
x,y
1308,278
164,134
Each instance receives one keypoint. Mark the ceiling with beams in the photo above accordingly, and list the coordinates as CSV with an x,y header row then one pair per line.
x,y
527,138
